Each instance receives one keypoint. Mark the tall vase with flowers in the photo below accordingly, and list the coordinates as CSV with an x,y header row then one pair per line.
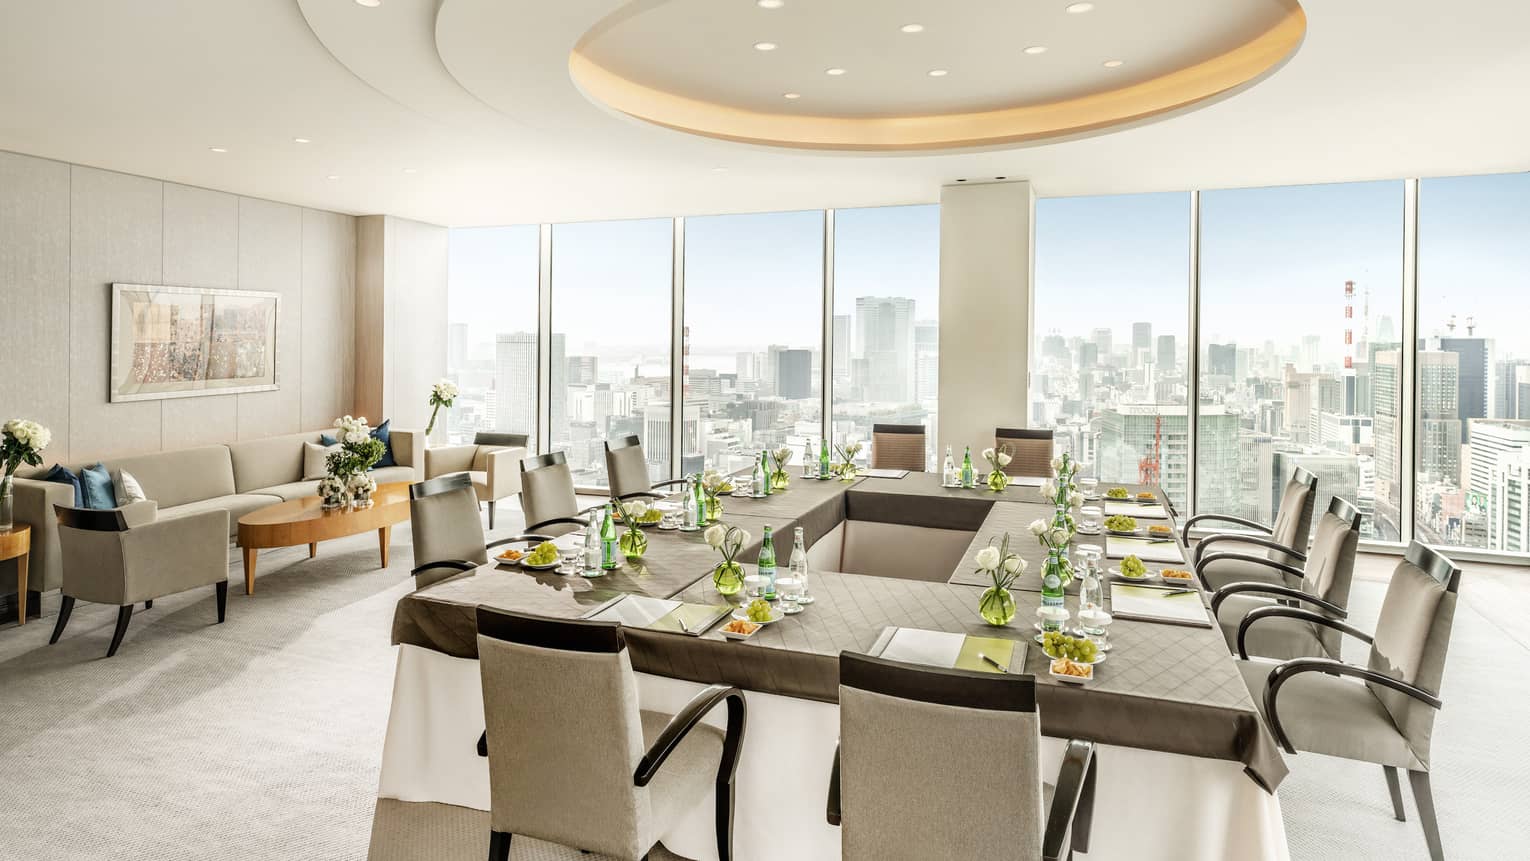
x,y
998,458
441,395
779,479
847,468
21,442
1002,568
1057,572
729,541
633,542
713,485
349,465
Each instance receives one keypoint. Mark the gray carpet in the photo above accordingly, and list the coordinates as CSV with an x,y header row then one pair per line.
x,y
260,738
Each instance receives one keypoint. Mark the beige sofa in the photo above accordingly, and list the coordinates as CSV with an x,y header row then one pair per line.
x,y
238,478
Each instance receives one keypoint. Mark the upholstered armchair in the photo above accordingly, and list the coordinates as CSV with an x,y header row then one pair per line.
x,y
1221,558
627,470
493,467
897,447
448,536
109,560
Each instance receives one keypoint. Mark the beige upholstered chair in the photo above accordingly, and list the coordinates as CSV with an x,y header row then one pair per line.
x,y
108,560
1323,585
627,470
1283,541
897,447
448,536
1030,450
1314,704
574,760
547,496
489,462
936,763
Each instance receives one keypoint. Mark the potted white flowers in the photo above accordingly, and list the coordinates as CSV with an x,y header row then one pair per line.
x,y
714,484
361,487
997,605
348,466
21,442
997,458
846,468
333,493
633,542
441,395
779,480
727,540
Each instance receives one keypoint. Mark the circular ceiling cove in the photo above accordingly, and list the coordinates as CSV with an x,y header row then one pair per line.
x,y
975,74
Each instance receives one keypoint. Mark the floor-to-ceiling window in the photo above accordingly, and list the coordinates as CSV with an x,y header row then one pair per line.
x,y
1301,307
886,337
1472,451
1108,346
611,299
753,336
491,339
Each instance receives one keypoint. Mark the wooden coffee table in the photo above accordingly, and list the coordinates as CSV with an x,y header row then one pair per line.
x,y
303,521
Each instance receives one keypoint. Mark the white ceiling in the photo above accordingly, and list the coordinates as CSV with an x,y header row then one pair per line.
x,y
474,96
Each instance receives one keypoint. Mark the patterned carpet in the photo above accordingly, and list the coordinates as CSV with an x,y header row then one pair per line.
x,y
260,738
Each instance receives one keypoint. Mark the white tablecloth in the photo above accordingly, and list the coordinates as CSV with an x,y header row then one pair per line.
x,y
1148,805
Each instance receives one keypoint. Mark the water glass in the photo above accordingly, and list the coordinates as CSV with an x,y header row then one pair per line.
x,y
743,485
1090,518
1090,486
1052,618
790,590
670,520
754,586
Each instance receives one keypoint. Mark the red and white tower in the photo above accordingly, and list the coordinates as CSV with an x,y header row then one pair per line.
x,y
1349,327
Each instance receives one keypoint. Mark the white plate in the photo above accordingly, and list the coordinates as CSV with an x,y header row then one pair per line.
x,y
1099,656
1139,532
743,616
548,567
1148,577
1067,679
729,635
1083,531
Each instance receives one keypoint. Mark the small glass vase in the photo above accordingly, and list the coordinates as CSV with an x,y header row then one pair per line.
x,y
714,508
998,480
779,480
728,578
997,606
361,500
633,544
847,471
7,505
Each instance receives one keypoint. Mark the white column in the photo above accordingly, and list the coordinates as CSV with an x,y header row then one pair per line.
x,y
987,265
400,318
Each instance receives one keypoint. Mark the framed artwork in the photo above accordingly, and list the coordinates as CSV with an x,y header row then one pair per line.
x,y
178,342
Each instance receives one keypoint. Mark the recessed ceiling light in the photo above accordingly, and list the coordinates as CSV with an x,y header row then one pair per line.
x,y
834,71
1036,49
764,46
301,140
938,73
791,95
912,28
410,170
770,4
1073,8
1113,64
217,149
370,4
333,176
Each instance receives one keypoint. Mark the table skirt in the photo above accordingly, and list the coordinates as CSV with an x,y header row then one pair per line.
x,y
1149,804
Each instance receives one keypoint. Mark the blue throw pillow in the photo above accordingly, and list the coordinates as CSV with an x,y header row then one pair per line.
x,y
379,433
96,487
64,476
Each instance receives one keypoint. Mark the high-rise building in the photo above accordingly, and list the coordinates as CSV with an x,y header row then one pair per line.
x,y
927,360
1222,361
1508,376
843,345
1142,342
1166,353
1439,426
884,338
1494,443
794,374
1312,352
1508,504
1103,340
1474,380
1088,355
515,382
747,365
583,370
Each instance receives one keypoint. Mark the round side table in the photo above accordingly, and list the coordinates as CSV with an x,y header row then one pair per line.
x,y
16,543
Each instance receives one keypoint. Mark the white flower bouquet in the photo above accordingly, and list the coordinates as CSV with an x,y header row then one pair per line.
x,y
21,442
1002,567
441,395
728,576
997,458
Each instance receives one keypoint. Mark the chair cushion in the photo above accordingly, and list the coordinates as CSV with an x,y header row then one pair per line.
x,y
291,490
1220,572
96,488
1277,639
687,776
387,474
1332,715
236,504
60,475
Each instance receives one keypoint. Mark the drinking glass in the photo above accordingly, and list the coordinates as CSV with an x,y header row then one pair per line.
x,y
790,590
1052,618
743,485
1090,518
670,520
1089,485
754,586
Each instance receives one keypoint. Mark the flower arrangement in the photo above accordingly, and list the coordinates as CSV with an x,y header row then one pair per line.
x,y
997,605
729,541
1055,539
1061,495
21,442
1065,470
713,484
361,487
633,542
846,467
441,395
779,479
333,493
998,458
358,451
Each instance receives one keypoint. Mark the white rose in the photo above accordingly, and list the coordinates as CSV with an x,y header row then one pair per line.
x,y
1048,490
1014,565
1059,537
1075,499
714,535
1057,464
637,509
1039,527
988,453
988,558
1004,458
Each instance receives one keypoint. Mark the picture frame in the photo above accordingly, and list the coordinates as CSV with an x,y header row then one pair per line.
x,y
179,342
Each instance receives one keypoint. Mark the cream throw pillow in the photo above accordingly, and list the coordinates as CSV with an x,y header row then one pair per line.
x,y
126,488
314,456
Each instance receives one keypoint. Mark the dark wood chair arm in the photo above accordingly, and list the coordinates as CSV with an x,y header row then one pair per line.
x,y
455,564
519,539
1075,790
1250,558
1228,518
1301,613
1260,541
1286,592
686,720
1287,670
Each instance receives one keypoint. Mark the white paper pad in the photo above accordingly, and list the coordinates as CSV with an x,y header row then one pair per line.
x,y
931,648
884,473
1027,480
1157,603
1144,549
1130,509
636,611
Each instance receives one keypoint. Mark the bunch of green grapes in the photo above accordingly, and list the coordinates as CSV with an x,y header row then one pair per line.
x,y
1131,566
758,610
544,554
1059,645
1116,493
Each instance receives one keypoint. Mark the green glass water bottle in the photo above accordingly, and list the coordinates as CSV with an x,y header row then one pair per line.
x,y
968,479
766,567
823,459
608,551
765,471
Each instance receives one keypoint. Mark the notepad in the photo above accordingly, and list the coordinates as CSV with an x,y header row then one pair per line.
x,y
660,614
884,473
1169,604
1132,509
950,650
1146,549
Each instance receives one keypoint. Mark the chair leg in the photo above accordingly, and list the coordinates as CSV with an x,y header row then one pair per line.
x,y
491,514
149,604
725,820
1394,787
1424,799
124,613
222,588
63,619
1083,815
499,846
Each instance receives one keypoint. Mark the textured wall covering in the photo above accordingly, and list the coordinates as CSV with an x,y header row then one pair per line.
x,y
400,317
67,232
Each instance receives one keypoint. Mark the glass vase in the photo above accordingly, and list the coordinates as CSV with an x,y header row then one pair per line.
x,y
633,544
847,471
728,578
998,480
7,505
996,606
714,508
779,480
